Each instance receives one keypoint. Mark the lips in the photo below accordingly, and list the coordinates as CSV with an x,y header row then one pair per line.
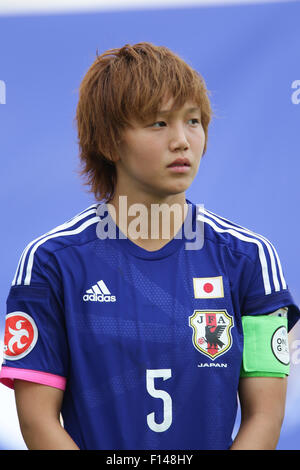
x,y
180,162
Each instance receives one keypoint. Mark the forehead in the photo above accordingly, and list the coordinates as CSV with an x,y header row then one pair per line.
x,y
168,105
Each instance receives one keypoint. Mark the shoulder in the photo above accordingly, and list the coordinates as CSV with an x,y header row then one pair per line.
x,y
236,237
78,230
242,242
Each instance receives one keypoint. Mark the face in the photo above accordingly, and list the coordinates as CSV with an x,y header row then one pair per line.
x,y
161,158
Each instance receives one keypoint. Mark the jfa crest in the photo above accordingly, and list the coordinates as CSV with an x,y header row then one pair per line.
x,y
211,332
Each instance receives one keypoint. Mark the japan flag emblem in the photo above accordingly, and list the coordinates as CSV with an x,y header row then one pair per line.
x,y
208,287
20,335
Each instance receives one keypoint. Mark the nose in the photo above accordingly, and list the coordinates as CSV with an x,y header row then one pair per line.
x,y
178,139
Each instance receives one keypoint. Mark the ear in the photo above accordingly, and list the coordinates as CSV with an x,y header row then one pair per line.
x,y
117,155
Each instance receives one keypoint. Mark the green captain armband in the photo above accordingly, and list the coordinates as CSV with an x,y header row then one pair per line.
x,y
266,348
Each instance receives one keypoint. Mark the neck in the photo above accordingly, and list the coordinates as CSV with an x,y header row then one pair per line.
x,y
147,221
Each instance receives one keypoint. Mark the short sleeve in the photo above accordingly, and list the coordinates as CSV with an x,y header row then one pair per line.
x,y
35,340
267,290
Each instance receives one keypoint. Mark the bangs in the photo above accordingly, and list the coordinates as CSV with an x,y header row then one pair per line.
x,y
181,85
141,81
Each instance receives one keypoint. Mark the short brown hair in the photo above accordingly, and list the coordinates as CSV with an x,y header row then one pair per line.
x,y
125,84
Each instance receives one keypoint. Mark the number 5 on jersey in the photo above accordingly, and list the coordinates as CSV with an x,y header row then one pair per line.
x,y
151,375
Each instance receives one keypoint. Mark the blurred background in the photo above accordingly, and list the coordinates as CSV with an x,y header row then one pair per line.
x,y
248,53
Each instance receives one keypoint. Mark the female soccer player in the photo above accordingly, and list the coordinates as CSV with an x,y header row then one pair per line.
x,y
143,317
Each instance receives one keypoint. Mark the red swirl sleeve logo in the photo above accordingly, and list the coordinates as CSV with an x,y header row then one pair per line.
x,y
20,335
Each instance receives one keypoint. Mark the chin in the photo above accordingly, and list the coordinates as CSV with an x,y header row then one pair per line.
x,y
175,192
173,188
180,188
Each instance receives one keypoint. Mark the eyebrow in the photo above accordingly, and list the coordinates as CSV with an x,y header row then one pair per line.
x,y
189,110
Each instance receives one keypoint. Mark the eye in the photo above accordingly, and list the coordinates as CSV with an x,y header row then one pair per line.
x,y
159,124
196,120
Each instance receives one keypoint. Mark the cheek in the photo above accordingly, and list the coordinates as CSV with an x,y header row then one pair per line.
x,y
140,161
199,142
146,155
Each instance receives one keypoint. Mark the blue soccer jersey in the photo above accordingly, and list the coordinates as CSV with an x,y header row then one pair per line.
x,y
147,346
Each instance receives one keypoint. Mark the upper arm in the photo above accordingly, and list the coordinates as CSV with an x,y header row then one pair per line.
x,y
263,395
35,341
35,402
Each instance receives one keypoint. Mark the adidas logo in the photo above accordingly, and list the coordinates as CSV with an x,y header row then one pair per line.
x,y
99,293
